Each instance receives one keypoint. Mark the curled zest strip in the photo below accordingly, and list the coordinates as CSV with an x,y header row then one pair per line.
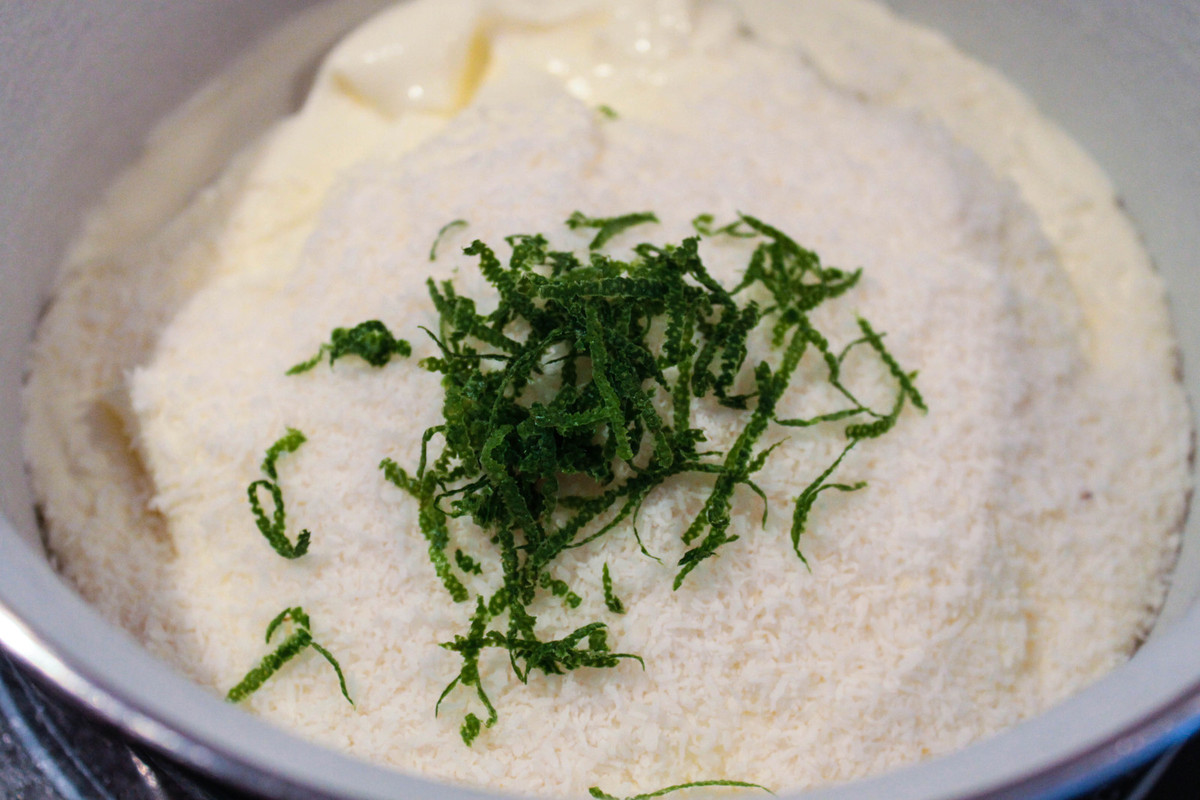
x,y
274,528
289,443
458,223
299,640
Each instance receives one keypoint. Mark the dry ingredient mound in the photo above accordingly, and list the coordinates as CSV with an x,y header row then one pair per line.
x,y
1011,547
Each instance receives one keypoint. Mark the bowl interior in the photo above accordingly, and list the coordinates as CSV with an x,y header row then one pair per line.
x,y
1120,77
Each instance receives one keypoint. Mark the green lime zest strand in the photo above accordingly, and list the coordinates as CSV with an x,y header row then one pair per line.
x,y
560,589
704,225
468,565
596,792
295,643
434,525
289,443
613,602
274,527
371,341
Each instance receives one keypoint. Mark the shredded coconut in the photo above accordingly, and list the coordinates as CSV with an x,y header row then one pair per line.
x,y
1011,547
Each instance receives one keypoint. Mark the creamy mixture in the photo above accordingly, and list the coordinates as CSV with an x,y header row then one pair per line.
x,y
1012,546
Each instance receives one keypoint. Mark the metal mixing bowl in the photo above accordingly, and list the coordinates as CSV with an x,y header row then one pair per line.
x,y
80,84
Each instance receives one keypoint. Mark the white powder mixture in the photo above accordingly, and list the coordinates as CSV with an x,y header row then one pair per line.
x,y
1012,546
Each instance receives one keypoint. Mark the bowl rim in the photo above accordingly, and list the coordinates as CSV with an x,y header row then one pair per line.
x,y
104,671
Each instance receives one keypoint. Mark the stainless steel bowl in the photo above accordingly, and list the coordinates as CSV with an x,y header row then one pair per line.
x,y
80,84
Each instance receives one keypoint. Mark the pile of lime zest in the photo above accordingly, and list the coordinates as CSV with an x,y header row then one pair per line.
x,y
561,381
297,641
370,341
597,793
274,529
